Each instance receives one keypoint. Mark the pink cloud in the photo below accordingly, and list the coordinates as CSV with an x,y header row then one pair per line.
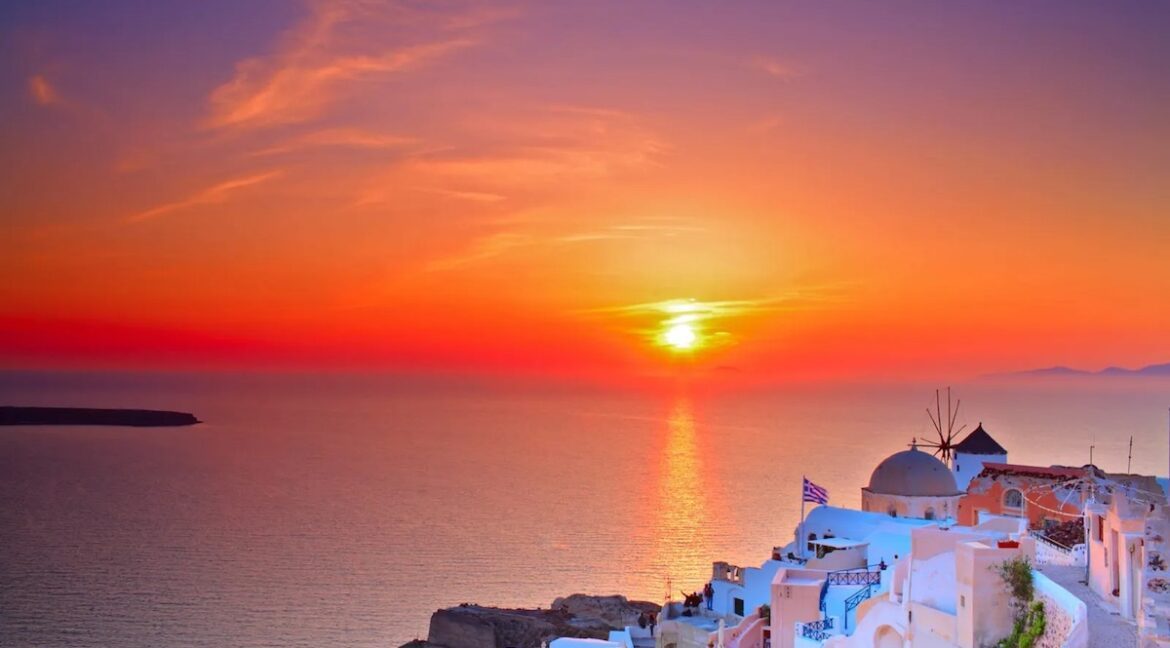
x,y
214,194
339,43
42,91
775,68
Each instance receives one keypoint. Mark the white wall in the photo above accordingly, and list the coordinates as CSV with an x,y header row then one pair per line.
x,y
910,507
934,582
968,466
755,591
1077,634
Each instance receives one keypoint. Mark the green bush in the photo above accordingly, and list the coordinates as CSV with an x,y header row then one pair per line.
x,y
1017,575
1029,626
765,613
1028,629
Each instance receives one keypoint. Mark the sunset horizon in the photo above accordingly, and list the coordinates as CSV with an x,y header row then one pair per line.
x,y
584,324
399,187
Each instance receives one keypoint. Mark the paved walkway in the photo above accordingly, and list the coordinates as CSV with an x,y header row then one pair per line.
x,y
1107,628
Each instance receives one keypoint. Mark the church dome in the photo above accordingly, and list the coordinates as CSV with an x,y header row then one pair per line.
x,y
913,473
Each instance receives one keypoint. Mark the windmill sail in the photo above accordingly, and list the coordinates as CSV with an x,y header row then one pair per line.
x,y
944,447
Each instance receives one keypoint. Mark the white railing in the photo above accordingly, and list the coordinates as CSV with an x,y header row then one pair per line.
x,y
1050,552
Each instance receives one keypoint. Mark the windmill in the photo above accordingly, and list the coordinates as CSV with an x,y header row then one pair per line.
x,y
945,446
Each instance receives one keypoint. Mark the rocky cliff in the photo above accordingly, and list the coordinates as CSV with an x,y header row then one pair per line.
x,y
579,615
11,415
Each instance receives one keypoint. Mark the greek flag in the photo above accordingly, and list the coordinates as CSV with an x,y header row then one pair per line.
x,y
814,493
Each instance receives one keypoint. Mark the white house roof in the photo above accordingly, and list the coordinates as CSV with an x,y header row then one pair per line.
x,y
839,543
858,525
576,642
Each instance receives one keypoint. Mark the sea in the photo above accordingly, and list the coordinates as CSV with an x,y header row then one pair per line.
x,y
342,510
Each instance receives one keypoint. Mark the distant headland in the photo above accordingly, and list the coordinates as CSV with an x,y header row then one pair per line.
x,y
12,415
1149,371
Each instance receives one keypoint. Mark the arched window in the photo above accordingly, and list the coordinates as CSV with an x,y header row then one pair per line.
x,y
1013,499
929,514
892,511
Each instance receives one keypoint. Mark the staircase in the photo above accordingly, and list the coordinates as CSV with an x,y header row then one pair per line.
x,y
1050,552
857,576
854,600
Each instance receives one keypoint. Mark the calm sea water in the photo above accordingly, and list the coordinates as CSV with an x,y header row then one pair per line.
x,y
342,511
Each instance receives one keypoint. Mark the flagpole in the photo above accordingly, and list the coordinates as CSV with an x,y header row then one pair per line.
x,y
800,538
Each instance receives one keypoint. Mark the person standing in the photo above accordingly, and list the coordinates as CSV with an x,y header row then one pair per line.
x,y
709,594
653,617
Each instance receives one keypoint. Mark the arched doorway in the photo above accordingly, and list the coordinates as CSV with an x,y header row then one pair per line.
x,y
887,637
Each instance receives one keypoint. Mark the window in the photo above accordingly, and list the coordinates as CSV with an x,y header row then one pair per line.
x,y
1013,499
892,511
738,603
929,514
811,538
1101,528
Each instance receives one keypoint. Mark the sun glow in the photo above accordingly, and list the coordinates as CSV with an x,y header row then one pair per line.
x,y
681,336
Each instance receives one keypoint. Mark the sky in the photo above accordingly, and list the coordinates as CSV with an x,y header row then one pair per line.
x,y
770,191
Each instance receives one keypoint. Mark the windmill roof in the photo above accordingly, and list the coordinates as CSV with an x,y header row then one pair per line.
x,y
979,442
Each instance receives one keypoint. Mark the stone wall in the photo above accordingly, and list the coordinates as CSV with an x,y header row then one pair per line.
x,y
1057,624
1154,613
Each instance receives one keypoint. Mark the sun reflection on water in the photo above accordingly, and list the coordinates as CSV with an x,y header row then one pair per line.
x,y
683,522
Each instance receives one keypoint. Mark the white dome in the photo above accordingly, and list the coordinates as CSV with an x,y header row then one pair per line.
x,y
913,473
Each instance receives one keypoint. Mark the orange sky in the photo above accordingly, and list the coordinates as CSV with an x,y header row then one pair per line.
x,y
915,192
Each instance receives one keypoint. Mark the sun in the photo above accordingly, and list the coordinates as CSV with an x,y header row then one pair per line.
x,y
681,336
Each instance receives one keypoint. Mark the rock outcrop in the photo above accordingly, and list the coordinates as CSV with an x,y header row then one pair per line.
x,y
616,610
579,615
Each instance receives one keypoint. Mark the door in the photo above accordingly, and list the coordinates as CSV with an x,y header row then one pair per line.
x,y
1115,571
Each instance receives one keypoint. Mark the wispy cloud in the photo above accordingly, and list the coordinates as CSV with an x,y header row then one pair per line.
x,y
530,146
474,196
774,68
714,319
654,228
260,96
499,243
42,91
526,153
694,310
339,42
481,249
214,194
340,138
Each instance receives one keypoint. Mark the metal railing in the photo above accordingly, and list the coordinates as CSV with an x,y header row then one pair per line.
x,y
856,599
861,576
815,630
871,575
1040,537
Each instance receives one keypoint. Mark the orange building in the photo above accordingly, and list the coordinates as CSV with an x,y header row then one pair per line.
x,y
1046,496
